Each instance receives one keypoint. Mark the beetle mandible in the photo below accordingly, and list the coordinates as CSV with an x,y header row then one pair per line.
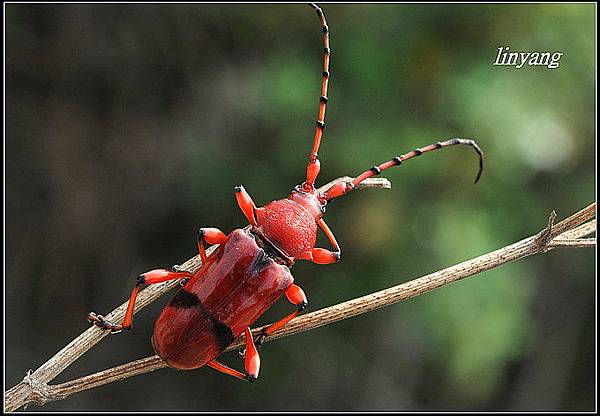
x,y
250,270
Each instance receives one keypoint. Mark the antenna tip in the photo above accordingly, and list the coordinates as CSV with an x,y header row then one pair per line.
x,y
480,164
480,153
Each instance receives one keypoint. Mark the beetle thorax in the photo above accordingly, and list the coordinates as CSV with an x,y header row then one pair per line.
x,y
290,224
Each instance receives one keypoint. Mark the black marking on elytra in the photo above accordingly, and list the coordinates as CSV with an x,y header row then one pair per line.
x,y
418,152
397,160
326,74
184,299
222,333
375,170
323,99
320,124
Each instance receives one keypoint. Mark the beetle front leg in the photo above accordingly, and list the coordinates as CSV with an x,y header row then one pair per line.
x,y
321,255
149,278
246,204
295,295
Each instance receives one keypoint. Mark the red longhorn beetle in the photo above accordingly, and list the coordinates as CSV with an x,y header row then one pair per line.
x,y
249,271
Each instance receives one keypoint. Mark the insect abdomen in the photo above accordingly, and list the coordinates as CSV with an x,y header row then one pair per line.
x,y
236,286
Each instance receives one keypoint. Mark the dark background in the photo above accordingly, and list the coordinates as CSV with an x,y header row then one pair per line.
x,y
127,127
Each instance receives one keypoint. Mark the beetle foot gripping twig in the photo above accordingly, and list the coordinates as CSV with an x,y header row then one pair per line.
x,y
260,338
258,342
102,323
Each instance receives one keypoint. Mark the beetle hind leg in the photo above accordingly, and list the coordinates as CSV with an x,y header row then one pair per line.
x,y
251,362
295,295
148,278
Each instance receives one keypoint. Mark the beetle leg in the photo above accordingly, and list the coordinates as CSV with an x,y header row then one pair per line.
x,y
211,236
321,255
295,295
148,278
251,362
177,268
246,204
225,369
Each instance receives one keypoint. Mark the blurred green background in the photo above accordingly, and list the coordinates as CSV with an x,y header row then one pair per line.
x,y
127,127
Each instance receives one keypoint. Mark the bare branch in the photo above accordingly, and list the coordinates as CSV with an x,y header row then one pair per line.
x,y
41,393
19,395
572,242
581,231
574,220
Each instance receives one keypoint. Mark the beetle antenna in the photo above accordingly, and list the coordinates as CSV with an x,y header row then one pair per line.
x,y
314,166
342,188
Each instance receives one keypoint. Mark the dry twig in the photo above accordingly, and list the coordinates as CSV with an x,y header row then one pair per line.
x,y
34,388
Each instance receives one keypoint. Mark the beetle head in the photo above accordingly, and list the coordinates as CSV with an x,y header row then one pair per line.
x,y
309,201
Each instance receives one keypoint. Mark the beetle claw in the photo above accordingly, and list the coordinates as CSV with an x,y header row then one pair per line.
x,y
258,341
92,317
96,319
102,323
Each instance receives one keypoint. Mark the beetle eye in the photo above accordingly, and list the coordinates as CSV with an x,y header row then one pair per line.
x,y
323,207
298,188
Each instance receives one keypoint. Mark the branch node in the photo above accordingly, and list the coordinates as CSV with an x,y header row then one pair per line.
x,y
39,393
542,240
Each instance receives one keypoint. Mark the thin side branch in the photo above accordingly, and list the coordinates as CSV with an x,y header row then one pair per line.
x,y
572,242
582,231
569,229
